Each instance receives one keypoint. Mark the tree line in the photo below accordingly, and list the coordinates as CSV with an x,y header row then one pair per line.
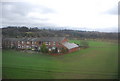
x,y
18,32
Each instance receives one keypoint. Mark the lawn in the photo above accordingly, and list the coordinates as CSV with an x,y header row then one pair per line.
x,y
100,61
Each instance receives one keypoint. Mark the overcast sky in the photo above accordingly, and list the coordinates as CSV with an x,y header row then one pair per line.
x,y
91,15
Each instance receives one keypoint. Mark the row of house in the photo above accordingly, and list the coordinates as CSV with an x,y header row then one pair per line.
x,y
35,43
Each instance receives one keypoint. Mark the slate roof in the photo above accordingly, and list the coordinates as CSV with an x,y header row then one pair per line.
x,y
12,39
56,39
26,39
70,45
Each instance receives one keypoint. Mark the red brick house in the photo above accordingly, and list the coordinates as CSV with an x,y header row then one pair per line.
x,y
35,43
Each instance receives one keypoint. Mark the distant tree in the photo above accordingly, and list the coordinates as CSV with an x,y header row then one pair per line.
x,y
44,48
20,31
23,29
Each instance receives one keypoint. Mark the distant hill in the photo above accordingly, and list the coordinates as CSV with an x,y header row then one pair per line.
x,y
23,31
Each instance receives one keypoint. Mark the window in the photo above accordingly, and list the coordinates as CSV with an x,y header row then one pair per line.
x,y
53,48
50,49
49,43
58,50
46,43
28,42
22,42
32,42
53,43
18,42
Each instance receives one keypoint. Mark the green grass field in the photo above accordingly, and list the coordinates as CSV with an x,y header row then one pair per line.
x,y
100,61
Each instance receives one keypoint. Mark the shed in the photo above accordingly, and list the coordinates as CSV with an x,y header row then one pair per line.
x,y
71,46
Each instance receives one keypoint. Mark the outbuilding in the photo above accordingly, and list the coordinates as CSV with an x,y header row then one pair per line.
x,y
71,46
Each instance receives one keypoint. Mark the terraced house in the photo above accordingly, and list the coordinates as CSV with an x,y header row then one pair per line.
x,y
52,43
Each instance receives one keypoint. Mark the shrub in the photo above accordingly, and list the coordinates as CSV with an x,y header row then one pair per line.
x,y
29,48
64,50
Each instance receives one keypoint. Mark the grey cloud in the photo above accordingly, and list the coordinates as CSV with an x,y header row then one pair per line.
x,y
40,19
119,8
47,10
15,8
16,13
24,8
114,10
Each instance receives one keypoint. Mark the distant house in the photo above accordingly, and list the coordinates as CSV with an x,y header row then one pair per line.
x,y
52,43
